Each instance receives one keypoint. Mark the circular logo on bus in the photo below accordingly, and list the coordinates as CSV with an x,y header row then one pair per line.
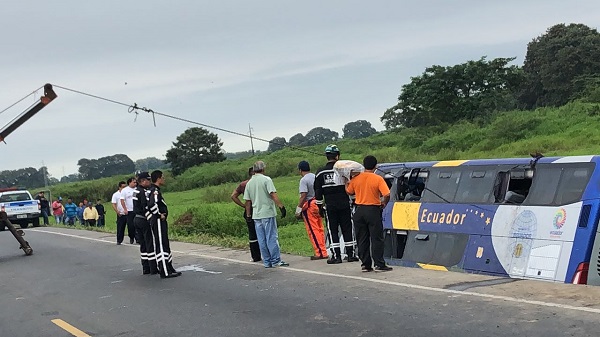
x,y
560,218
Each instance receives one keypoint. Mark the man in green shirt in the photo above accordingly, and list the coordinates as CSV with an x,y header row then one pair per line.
x,y
261,199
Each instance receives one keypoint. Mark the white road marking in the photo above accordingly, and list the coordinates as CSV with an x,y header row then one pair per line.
x,y
365,279
198,268
107,296
117,281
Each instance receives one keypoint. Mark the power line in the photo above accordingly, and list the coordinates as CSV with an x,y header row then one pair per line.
x,y
22,99
134,109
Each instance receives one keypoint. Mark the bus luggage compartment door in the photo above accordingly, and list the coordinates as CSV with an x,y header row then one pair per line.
x,y
443,249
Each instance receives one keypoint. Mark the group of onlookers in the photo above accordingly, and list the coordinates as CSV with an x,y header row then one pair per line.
x,y
350,204
85,213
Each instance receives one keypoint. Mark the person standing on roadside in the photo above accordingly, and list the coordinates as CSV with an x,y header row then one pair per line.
x,y
118,208
160,228
141,220
337,211
372,195
58,210
70,212
44,207
127,203
101,213
252,239
308,210
90,215
261,200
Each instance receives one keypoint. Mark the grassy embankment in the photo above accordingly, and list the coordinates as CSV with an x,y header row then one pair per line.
x,y
201,210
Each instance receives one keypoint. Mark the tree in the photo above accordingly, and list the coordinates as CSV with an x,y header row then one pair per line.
x,y
193,147
277,144
358,129
320,135
70,178
463,91
28,177
557,63
150,163
297,140
105,167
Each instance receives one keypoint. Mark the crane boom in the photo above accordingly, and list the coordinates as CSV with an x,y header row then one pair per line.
x,y
49,96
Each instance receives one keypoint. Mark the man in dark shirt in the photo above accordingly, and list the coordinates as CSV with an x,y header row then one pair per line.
x,y
252,238
101,213
160,229
337,208
44,207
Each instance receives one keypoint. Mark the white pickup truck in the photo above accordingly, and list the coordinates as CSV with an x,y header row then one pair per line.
x,y
20,207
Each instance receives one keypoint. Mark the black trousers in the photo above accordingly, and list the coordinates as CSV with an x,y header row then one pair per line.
x,y
164,259
340,217
369,232
252,240
121,223
144,236
131,225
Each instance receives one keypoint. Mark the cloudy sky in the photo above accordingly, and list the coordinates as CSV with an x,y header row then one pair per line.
x,y
282,66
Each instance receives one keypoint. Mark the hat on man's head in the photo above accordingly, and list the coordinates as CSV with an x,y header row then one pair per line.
x,y
332,149
144,175
304,166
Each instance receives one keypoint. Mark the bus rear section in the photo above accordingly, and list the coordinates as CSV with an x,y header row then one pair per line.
x,y
506,217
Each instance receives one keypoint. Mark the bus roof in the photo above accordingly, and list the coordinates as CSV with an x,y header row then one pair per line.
x,y
498,161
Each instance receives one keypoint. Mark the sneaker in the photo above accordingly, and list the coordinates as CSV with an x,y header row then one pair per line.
x,y
269,266
352,259
256,260
281,264
366,269
384,268
315,257
334,261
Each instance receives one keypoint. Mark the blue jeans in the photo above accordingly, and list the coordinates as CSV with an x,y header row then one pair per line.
x,y
266,232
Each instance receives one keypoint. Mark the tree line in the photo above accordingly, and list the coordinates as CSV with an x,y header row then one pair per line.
x,y
560,65
89,169
320,135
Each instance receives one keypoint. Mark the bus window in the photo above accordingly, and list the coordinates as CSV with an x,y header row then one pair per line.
x,y
572,184
544,185
441,185
476,186
518,186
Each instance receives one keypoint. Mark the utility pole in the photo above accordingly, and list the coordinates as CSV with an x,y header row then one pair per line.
x,y
45,173
251,142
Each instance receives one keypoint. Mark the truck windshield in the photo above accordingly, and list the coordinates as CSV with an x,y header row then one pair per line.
x,y
14,197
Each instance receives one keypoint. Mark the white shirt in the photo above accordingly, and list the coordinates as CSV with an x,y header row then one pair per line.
x,y
127,195
116,199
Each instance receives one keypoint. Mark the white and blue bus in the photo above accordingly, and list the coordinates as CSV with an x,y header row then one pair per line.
x,y
520,218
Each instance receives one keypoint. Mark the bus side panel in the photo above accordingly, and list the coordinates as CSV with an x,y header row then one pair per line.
x,y
535,241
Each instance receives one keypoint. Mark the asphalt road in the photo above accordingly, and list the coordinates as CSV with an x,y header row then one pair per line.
x,y
97,288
